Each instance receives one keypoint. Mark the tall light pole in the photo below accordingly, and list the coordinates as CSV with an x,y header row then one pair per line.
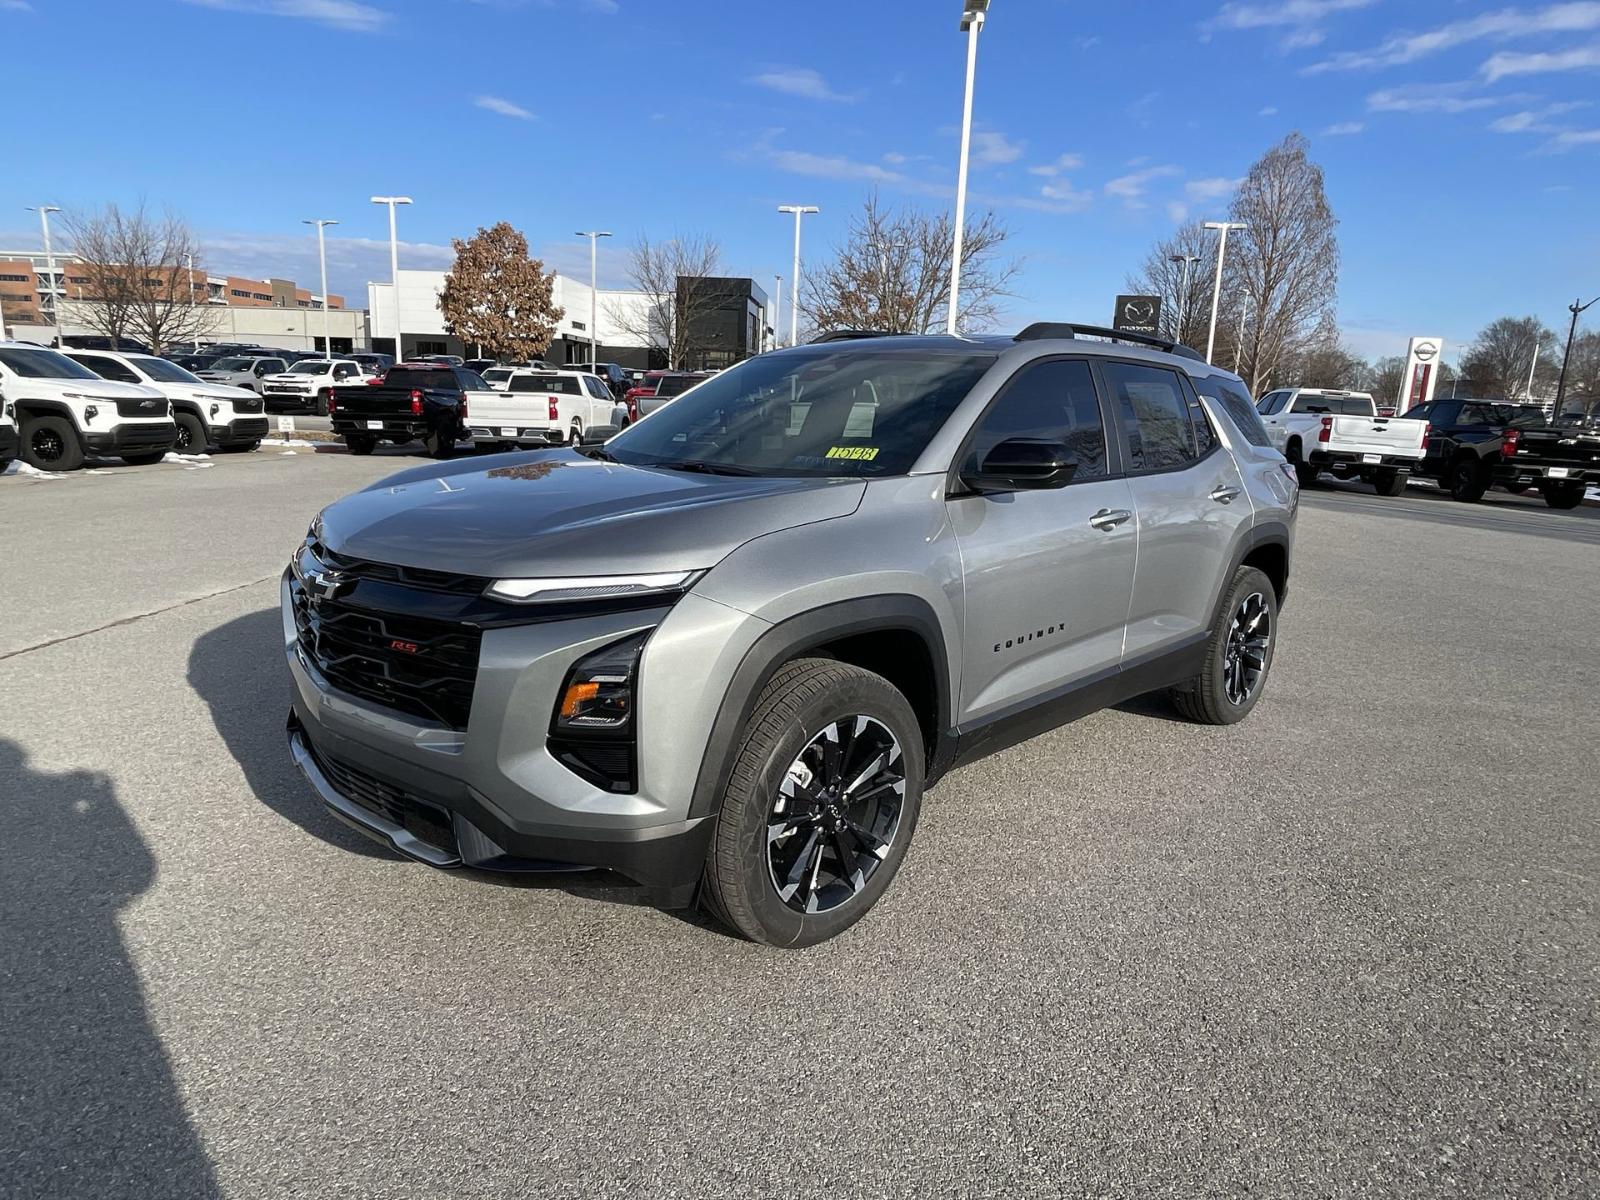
x,y
394,266
594,237
194,320
1188,260
44,211
1575,308
1222,228
973,13
777,310
322,257
1244,319
799,210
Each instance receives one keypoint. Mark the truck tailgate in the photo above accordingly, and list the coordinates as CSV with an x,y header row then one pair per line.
x,y
524,410
1560,446
372,400
1393,437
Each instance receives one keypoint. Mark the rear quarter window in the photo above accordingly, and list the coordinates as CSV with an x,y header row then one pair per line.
x,y
1235,403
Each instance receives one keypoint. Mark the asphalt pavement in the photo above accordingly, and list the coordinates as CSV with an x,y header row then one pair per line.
x,y
1349,947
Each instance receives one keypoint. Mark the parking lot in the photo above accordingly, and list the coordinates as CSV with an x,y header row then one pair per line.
x,y
1349,945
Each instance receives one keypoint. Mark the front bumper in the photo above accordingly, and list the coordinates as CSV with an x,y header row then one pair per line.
x,y
142,437
283,401
240,431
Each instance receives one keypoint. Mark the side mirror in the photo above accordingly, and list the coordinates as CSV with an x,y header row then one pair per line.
x,y
1020,464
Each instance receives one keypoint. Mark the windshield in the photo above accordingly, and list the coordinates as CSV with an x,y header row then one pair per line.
x,y
44,364
163,371
496,374
233,364
310,366
565,385
676,385
1338,406
821,411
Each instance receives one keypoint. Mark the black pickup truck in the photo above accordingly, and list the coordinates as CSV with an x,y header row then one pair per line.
x,y
415,401
1477,444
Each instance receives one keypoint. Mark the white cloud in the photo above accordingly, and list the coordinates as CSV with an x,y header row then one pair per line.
x,y
337,14
1575,58
1535,120
15,6
991,149
799,81
1213,188
505,108
1130,189
352,262
1177,211
1270,110
1577,137
1432,97
1070,199
1284,12
1067,162
1343,129
1087,43
1400,48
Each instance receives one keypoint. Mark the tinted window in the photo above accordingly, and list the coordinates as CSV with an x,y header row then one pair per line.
x,y
1053,402
424,379
1154,415
1483,414
106,368
1235,401
1271,403
560,385
43,364
165,372
473,382
1334,406
1205,437
676,385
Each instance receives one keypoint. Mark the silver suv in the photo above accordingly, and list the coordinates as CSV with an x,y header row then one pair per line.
x,y
726,654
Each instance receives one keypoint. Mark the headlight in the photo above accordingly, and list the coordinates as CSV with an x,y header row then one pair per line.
x,y
597,697
588,587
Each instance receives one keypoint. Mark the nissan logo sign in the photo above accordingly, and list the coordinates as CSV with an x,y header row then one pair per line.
x,y
1425,351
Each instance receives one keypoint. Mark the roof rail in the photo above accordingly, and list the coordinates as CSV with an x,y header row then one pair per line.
x,y
1041,330
851,335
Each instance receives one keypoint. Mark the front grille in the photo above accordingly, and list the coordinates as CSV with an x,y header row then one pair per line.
x,y
416,665
142,408
417,817
131,437
247,406
417,577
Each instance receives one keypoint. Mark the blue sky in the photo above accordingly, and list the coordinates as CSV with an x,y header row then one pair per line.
x,y
1461,138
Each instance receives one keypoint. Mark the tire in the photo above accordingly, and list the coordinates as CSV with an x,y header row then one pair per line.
x,y
1467,481
1210,697
319,406
360,443
809,704
1306,473
192,435
1563,497
439,444
1389,482
575,434
51,444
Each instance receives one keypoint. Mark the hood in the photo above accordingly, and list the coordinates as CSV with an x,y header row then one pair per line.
x,y
293,377
209,391
553,513
103,389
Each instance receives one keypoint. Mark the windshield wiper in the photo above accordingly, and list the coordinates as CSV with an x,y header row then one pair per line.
x,y
600,452
706,468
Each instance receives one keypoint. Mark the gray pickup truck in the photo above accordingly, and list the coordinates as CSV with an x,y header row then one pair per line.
x,y
726,653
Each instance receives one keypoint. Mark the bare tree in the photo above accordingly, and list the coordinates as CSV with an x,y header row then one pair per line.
x,y
1501,358
677,277
1185,312
139,281
893,273
1583,372
1324,362
499,299
1283,268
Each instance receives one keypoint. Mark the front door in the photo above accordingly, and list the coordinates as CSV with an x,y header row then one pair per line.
x,y
1190,504
1048,573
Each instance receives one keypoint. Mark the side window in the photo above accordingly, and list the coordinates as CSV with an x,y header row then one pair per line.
x,y
1269,403
341,371
1050,401
1475,414
1235,401
108,368
1154,415
1205,437
474,381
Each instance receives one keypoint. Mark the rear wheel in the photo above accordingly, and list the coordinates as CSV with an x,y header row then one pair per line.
x,y
1389,481
192,437
360,443
821,805
51,444
575,434
1238,655
1563,495
1467,480
439,444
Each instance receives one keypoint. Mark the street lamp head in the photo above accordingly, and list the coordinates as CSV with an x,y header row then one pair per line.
x,y
972,13
592,233
1224,225
44,208
391,199
798,208
319,224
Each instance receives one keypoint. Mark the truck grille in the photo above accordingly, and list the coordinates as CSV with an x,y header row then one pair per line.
x,y
247,406
417,817
416,665
248,427
142,408
417,577
157,434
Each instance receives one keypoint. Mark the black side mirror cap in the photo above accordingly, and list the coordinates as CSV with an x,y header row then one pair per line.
x,y
1023,464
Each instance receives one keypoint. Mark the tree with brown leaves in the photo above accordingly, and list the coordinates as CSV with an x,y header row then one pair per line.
x,y
497,298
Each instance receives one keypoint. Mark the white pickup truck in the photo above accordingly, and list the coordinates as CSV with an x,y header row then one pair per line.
x,y
65,412
543,408
1318,429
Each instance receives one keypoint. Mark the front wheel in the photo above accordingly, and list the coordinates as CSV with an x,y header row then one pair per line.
x,y
820,807
51,444
1563,496
192,437
1238,654
323,402
1389,482
360,443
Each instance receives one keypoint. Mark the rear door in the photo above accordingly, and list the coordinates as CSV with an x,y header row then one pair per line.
x,y
1048,573
1190,505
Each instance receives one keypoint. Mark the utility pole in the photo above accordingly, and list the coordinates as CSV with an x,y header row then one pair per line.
x,y
322,257
44,211
594,237
394,269
1561,384
799,210
777,311
1188,260
973,14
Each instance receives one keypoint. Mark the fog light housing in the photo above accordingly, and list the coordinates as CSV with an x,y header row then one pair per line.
x,y
592,728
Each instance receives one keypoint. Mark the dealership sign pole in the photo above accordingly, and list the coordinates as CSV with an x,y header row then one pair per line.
x,y
1421,374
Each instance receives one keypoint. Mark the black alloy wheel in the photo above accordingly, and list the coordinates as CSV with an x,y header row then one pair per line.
x,y
47,445
1249,641
836,814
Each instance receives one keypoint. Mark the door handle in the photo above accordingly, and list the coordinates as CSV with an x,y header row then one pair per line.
x,y
1222,493
1109,518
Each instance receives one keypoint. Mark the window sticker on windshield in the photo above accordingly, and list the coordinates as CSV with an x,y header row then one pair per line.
x,y
863,453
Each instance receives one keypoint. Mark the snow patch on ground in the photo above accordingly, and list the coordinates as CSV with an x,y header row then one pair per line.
x,y
286,442
29,471
287,453
189,462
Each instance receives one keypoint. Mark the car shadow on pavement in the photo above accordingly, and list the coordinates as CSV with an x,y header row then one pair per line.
x,y
1155,705
89,1105
237,669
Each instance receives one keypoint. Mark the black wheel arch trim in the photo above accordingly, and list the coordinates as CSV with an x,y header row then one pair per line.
x,y
790,639
26,409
